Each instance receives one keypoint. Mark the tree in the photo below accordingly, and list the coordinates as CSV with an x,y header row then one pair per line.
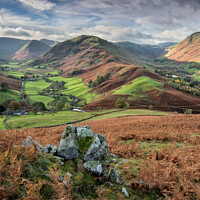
x,y
2,108
3,86
59,105
34,110
14,105
67,106
39,105
120,103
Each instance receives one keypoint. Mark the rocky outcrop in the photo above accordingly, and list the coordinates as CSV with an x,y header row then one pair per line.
x,y
90,150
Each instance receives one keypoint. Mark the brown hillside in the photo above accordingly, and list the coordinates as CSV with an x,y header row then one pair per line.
x,y
88,57
12,83
188,50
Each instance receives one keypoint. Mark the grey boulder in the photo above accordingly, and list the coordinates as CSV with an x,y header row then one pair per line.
x,y
68,148
98,150
94,166
84,132
29,142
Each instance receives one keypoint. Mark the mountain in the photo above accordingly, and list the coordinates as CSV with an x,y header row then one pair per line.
x,y
166,44
188,50
141,51
114,72
31,50
8,46
50,43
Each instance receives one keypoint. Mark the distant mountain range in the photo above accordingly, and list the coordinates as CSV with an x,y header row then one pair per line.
x,y
9,46
166,44
31,50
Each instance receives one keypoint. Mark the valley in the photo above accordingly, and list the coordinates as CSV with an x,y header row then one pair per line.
x,y
145,102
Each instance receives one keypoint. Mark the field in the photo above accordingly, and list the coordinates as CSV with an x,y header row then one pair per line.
x,y
46,119
158,156
139,87
63,117
9,94
32,88
76,87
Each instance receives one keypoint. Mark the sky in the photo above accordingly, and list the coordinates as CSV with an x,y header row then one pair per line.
x,y
138,21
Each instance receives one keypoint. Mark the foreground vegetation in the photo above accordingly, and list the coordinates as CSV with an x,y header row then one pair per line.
x,y
157,159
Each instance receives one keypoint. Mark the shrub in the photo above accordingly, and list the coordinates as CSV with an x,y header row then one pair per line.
x,y
121,103
188,111
14,105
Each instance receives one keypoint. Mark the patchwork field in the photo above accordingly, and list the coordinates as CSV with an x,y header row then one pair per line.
x,y
32,89
76,87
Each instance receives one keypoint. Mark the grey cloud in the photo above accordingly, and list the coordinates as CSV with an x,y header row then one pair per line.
x,y
17,33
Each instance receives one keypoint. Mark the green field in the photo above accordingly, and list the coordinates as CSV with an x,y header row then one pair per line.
x,y
2,126
62,117
76,87
130,112
33,87
139,86
30,121
9,94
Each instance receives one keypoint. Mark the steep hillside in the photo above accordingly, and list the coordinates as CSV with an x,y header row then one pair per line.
x,y
112,71
30,50
141,51
188,50
13,84
8,46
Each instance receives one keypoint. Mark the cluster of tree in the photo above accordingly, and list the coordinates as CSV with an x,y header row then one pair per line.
x,y
162,72
62,103
56,85
121,103
3,86
186,85
11,104
99,80
194,65
5,68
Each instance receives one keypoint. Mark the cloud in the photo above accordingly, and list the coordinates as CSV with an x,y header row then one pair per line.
x,y
15,32
173,35
38,4
113,33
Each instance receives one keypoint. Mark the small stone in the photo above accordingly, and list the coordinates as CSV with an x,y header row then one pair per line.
x,y
114,177
62,163
113,155
59,158
125,191
114,160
